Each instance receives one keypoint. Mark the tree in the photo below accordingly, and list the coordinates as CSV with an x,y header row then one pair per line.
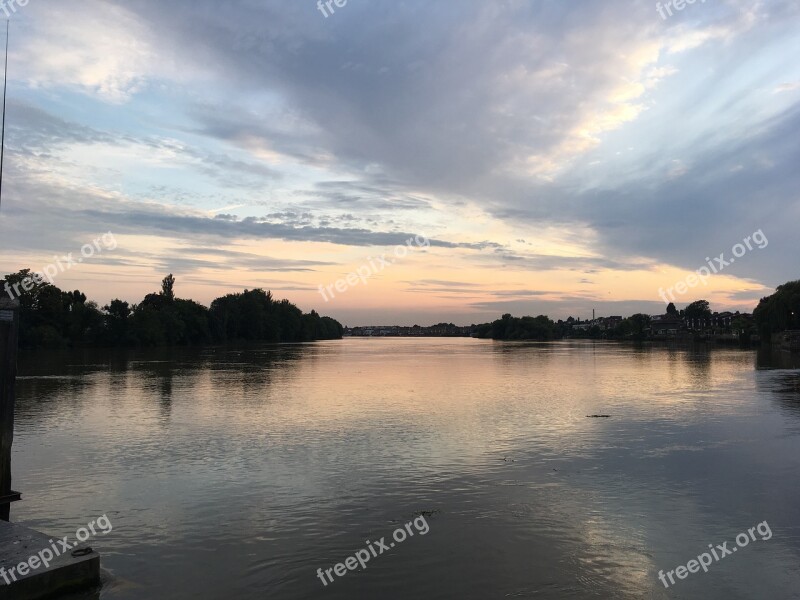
x,y
118,309
699,309
525,328
50,317
117,315
83,322
671,310
743,328
640,323
167,287
780,311
26,287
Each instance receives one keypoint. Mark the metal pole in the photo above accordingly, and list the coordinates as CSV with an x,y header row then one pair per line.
x,y
9,325
3,136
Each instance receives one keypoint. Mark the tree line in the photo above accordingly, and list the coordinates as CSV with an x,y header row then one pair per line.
x,y
53,318
775,313
543,328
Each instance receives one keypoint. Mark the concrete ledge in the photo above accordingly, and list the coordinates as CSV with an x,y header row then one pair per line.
x,y
65,573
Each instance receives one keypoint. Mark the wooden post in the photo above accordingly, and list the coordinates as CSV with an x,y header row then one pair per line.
x,y
9,324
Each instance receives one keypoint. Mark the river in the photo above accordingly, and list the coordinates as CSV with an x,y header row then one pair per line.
x,y
239,472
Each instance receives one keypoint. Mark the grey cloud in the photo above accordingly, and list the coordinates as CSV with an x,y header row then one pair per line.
x,y
428,100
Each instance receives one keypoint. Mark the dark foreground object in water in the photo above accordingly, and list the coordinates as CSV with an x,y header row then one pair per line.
x,y
65,572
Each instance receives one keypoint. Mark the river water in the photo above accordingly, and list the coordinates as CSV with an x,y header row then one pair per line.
x,y
239,472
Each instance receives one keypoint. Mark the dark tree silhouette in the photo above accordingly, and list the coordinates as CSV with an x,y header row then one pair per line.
x,y
780,311
52,318
168,287
699,309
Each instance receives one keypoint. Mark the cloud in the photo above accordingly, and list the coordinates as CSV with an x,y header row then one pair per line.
x,y
91,46
787,87
654,142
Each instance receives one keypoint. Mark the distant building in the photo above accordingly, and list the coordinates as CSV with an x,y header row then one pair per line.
x,y
609,323
666,326
717,322
440,330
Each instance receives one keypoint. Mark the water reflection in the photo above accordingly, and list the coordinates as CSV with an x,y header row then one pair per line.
x,y
237,472
779,377
786,389
775,358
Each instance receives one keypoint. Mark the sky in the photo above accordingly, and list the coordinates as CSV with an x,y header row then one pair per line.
x,y
467,158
